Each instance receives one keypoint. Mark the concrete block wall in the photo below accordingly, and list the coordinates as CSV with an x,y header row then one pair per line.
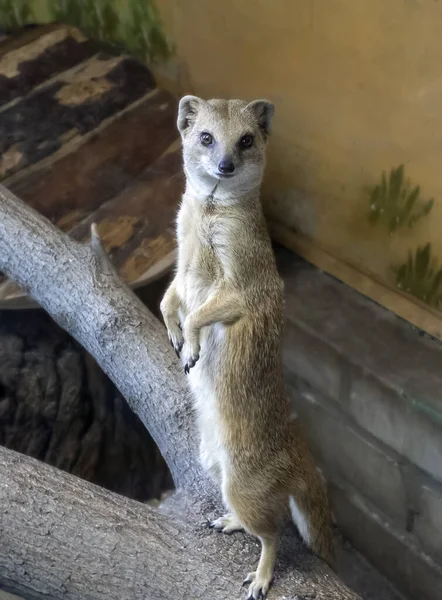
x,y
367,388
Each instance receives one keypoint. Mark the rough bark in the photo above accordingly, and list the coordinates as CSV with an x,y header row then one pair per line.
x,y
63,538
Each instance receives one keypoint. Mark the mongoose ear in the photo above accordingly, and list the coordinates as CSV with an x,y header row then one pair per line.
x,y
263,111
187,111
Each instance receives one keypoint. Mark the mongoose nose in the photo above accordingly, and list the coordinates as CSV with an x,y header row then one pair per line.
x,y
226,166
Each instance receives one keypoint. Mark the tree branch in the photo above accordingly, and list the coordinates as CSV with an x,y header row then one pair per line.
x,y
76,284
64,538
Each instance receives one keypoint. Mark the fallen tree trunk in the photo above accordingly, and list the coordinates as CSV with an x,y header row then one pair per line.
x,y
64,538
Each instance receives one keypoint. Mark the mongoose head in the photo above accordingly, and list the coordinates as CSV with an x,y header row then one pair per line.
x,y
224,142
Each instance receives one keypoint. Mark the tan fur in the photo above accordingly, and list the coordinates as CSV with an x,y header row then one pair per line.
x,y
224,313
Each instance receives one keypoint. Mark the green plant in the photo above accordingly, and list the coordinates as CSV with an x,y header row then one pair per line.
x,y
97,18
421,276
395,203
143,34
14,13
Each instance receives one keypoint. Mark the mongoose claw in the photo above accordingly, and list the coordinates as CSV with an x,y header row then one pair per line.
x,y
177,352
177,342
191,355
259,586
191,363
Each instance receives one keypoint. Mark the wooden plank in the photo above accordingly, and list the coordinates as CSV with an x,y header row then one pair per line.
x,y
23,68
81,181
36,126
138,226
26,36
408,307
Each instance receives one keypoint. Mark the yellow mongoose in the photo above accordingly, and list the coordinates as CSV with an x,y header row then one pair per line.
x,y
224,314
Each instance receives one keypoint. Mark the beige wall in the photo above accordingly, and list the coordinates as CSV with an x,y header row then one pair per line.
x,y
358,89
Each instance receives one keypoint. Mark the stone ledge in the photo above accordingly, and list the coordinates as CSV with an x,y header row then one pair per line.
x,y
367,387
407,426
374,338
394,553
314,359
384,373
346,453
428,521
350,457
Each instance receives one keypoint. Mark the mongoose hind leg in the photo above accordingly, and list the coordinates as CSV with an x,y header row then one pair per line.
x,y
252,510
261,579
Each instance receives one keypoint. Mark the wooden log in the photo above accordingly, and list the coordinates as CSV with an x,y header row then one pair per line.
x,y
62,538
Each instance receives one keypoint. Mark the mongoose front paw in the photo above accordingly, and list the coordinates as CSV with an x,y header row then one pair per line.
x,y
227,524
259,586
191,356
176,339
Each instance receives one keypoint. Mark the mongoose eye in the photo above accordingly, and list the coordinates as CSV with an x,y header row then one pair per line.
x,y
246,141
206,139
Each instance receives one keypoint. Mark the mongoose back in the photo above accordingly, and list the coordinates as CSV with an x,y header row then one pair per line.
x,y
224,315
